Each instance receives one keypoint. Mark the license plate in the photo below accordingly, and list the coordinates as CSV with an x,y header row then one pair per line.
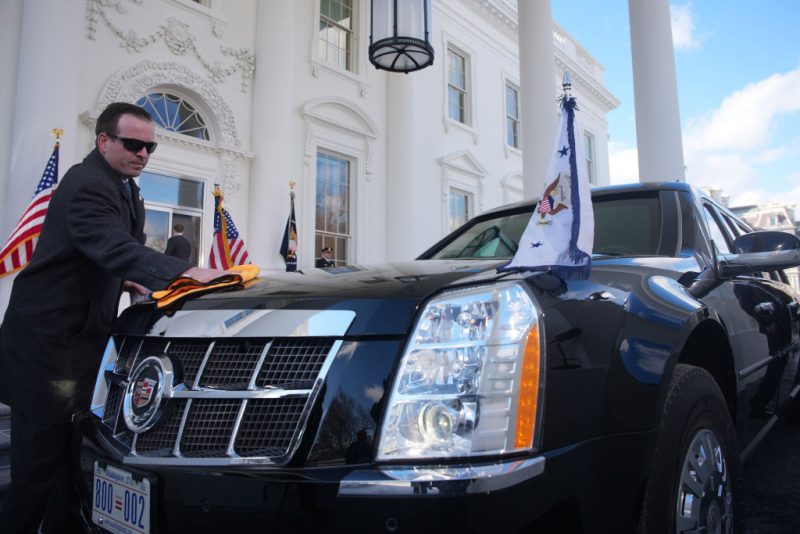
x,y
120,501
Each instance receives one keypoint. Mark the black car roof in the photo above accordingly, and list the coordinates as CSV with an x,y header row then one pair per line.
x,y
608,189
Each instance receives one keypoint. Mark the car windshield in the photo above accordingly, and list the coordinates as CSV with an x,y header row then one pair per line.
x,y
628,226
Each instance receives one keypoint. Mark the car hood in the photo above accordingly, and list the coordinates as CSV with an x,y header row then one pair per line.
x,y
380,299
384,297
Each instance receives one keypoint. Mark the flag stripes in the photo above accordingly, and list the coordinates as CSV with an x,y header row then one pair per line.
x,y
227,247
19,247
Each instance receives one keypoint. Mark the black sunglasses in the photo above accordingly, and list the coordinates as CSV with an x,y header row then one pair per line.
x,y
135,145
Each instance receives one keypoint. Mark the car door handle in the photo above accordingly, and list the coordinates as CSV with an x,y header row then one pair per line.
x,y
765,308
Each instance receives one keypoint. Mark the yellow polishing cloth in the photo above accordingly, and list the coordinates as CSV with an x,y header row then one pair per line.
x,y
185,287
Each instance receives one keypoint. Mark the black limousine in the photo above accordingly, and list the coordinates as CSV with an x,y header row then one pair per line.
x,y
440,395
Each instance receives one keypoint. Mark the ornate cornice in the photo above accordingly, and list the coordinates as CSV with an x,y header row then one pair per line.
x,y
132,83
178,38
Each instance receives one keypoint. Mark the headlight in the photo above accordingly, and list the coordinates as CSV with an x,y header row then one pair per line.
x,y
469,380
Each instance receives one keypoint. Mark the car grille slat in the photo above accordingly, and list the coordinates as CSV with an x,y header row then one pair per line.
x,y
268,426
209,427
291,365
232,364
190,353
160,441
222,417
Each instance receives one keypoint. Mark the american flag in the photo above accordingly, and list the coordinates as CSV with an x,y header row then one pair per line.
x,y
18,250
227,248
544,205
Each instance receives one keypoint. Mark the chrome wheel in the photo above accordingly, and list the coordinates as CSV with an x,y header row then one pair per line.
x,y
705,494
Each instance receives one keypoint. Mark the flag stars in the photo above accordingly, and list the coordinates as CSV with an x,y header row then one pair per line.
x,y
564,151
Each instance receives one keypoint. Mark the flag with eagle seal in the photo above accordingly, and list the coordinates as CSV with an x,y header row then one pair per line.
x,y
560,234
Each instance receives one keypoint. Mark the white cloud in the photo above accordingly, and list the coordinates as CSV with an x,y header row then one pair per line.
x,y
725,147
684,36
745,119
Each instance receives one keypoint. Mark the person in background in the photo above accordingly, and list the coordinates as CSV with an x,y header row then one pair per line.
x,y
60,313
177,245
325,260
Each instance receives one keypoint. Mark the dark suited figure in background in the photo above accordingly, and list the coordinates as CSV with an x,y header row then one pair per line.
x,y
177,245
325,260
60,314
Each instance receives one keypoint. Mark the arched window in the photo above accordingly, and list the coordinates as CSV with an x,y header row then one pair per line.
x,y
175,114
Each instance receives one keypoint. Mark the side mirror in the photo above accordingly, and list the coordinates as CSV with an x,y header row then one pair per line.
x,y
765,241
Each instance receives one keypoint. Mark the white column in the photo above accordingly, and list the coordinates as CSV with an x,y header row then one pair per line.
x,y
404,184
268,203
658,123
46,96
537,91
10,23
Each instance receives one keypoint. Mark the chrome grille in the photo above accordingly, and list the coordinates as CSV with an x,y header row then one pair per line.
x,y
209,427
232,363
160,441
293,363
239,398
190,353
267,426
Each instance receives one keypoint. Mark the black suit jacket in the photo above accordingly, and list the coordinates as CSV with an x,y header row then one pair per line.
x,y
63,303
179,247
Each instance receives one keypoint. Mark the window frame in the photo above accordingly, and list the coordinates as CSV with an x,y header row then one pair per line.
x,y
350,33
469,199
514,120
326,234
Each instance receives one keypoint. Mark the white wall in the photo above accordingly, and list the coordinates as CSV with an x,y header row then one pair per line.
x,y
148,45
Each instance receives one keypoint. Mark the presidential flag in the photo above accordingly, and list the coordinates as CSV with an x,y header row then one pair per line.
x,y
18,250
560,234
289,242
227,247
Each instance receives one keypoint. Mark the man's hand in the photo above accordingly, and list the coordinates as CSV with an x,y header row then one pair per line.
x,y
135,289
204,275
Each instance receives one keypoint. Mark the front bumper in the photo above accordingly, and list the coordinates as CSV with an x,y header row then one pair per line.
x,y
571,489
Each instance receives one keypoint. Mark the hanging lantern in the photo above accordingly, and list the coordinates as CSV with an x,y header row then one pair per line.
x,y
400,35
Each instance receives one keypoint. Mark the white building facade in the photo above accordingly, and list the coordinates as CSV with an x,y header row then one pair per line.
x,y
256,94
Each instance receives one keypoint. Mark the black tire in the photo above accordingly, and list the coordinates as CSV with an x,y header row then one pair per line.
x,y
696,447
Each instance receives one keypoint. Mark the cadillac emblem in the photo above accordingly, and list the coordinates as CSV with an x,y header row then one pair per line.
x,y
149,387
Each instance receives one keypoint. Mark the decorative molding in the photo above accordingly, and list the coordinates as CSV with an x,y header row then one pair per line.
x,y
178,38
463,163
132,83
343,115
231,177
606,99
217,23
308,143
513,187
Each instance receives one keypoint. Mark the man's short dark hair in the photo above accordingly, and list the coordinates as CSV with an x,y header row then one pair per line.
x,y
108,121
178,228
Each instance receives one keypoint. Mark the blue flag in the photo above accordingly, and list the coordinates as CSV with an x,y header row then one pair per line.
x,y
560,235
289,243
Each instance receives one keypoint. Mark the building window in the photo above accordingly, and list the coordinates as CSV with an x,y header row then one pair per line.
x,y
333,207
460,206
512,116
175,114
588,153
457,96
170,200
336,33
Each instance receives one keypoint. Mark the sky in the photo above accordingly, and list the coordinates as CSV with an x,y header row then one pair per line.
x,y
738,69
